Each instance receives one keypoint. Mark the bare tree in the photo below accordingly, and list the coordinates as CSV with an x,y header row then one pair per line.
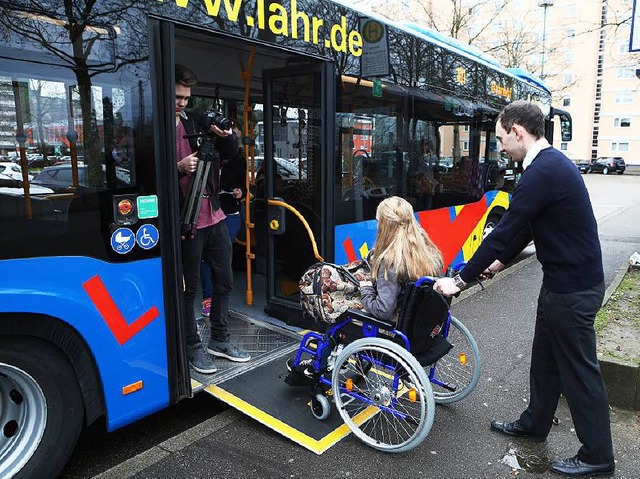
x,y
82,37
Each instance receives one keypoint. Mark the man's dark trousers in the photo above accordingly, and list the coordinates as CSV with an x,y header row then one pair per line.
x,y
563,360
211,244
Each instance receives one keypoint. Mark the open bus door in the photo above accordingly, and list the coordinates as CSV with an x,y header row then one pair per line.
x,y
300,179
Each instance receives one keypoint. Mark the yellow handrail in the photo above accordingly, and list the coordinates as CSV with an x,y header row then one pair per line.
x,y
271,202
249,152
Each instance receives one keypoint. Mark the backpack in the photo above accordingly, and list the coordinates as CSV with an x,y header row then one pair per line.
x,y
423,314
327,290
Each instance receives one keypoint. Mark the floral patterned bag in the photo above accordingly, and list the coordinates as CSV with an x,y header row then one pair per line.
x,y
327,290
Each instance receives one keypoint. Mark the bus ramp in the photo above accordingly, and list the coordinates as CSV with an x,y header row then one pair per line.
x,y
257,388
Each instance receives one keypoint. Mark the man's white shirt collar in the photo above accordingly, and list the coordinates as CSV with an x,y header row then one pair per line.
x,y
536,148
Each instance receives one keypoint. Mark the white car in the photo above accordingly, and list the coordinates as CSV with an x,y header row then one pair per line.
x,y
12,170
286,169
12,190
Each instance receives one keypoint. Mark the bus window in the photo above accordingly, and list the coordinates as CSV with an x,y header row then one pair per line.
x,y
371,161
423,185
70,180
460,176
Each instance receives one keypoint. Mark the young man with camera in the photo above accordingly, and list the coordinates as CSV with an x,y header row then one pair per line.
x,y
210,241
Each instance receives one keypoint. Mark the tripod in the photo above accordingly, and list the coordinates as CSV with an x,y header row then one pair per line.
x,y
197,186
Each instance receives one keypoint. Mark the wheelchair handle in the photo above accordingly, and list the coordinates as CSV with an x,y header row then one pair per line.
x,y
425,280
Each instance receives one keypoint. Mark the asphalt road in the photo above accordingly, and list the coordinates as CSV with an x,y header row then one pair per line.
x,y
202,438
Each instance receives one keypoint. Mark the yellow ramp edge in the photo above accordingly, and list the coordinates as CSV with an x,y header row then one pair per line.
x,y
314,445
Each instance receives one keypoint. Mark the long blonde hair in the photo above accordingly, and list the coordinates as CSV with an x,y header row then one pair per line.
x,y
402,244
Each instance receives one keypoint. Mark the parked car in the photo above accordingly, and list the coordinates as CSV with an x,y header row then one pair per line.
x,y
59,177
607,164
287,170
11,169
38,161
13,187
583,165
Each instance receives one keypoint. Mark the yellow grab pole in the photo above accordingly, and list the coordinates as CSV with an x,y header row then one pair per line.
x,y
249,153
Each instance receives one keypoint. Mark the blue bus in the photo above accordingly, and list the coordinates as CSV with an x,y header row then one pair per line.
x,y
90,267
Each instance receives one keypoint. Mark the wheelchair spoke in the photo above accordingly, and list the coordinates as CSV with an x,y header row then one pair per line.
x,y
456,374
382,409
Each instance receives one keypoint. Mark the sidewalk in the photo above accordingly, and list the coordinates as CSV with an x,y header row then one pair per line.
x,y
632,170
460,444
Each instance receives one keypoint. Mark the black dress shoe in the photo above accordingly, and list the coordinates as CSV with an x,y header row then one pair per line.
x,y
574,467
514,429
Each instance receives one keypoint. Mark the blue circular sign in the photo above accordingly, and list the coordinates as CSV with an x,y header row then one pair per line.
x,y
123,240
147,236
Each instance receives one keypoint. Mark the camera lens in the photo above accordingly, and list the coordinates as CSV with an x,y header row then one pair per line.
x,y
221,122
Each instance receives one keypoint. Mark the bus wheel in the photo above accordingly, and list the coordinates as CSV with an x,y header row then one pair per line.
x,y
41,409
489,226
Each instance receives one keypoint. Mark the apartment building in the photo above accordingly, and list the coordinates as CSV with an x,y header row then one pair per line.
x,y
579,48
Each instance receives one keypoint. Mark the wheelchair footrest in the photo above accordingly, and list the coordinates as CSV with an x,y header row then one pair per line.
x,y
439,348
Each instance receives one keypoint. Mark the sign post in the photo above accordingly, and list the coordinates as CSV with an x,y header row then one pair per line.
x,y
634,40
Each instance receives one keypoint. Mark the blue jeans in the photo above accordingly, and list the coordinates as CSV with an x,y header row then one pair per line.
x,y
233,222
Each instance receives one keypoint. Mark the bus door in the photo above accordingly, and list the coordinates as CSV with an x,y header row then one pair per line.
x,y
298,163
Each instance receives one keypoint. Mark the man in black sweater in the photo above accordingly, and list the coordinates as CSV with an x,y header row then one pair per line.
x,y
551,205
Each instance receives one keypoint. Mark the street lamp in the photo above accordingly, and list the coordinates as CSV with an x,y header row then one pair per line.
x,y
544,4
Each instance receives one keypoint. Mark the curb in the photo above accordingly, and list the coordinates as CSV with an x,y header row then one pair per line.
x,y
621,380
616,282
173,445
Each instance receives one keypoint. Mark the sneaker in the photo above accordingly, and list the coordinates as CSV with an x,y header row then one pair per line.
x,y
206,307
228,351
303,375
200,360
305,367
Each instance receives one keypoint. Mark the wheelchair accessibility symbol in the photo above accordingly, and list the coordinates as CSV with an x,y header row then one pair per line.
x,y
147,236
123,240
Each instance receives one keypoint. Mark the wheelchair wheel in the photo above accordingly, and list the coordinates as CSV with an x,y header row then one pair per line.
x,y
383,394
320,407
456,374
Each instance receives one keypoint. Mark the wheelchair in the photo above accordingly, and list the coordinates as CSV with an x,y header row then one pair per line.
x,y
386,378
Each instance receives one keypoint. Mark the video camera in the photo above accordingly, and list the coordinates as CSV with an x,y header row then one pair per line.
x,y
208,155
213,117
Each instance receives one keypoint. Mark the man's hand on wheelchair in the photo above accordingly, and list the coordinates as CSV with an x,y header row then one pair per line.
x,y
491,271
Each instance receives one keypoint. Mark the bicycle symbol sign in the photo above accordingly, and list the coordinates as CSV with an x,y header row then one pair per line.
x,y
147,236
123,240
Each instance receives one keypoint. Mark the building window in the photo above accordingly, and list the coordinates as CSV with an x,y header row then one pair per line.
x,y
624,48
624,97
568,78
466,127
625,72
619,146
465,146
564,146
569,56
571,32
566,101
623,122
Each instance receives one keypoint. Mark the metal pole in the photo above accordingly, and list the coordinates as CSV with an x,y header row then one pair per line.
x,y
544,4
544,40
